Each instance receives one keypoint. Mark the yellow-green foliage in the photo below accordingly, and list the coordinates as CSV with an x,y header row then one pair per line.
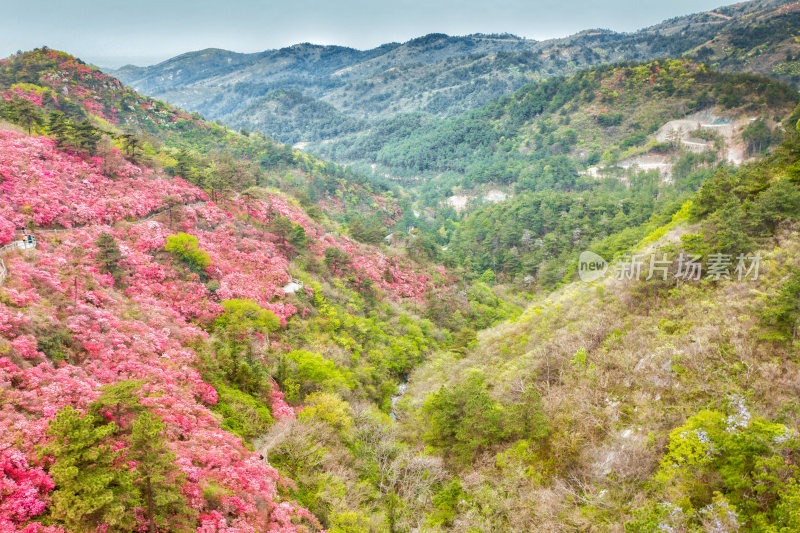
x,y
350,522
379,347
302,372
242,413
737,468
186,248
329,408
242,317
682,215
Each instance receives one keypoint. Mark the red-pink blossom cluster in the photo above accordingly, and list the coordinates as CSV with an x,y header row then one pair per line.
x,y
51,187
116,339
280,409
23,489
18,93
141,335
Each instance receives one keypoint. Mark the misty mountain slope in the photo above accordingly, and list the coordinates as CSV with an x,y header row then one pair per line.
x,y
204,76
435,74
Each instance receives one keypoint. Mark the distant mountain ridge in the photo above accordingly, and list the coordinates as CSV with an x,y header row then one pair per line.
x,y
443,75
203,80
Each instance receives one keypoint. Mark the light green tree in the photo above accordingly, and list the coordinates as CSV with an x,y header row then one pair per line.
x,y
187,248
243,317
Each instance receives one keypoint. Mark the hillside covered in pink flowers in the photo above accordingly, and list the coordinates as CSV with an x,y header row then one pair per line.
x,y
181,285
204,330
149,326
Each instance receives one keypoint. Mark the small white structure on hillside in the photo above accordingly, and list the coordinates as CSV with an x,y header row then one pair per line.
x,y
26,242
293,286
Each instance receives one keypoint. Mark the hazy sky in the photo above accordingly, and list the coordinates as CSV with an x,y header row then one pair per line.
x,y
111,33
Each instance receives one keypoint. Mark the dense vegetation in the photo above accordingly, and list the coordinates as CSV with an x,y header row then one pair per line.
x,y
218,333
537,144
56,94
485,145
161,304
674,412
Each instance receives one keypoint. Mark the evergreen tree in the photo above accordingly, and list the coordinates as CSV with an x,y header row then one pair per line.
x,y
25,114
782,311
119,401
758,136
86,137
157,478
130,143
335,259
109,256
297,236
58,128
90,489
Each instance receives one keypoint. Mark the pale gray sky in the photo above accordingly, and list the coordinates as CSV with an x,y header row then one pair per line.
x,y
112,33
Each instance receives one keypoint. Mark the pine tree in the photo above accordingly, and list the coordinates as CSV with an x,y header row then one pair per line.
x,y
130,143
119,401
157,478
109,256
27,115
91,490
86,137
58,128
297,236
183,166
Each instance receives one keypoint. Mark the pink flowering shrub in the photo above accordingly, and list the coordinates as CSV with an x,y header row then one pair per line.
x,y
51,187
28,94
23,489
280,409
141,333
25,346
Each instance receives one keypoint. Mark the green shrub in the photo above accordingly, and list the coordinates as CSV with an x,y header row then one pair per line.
x,y
186,248
301,373
242,414
781,314
243,317
736,469
463,419
609,119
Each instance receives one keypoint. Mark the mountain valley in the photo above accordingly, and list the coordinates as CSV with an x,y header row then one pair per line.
x,y
457,284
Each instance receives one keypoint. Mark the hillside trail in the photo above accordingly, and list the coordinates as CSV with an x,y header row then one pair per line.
x,y
17,245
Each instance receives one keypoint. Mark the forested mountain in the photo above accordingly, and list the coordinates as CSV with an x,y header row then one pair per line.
x,y
523,184
203,329
313,93
633,404
578,145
